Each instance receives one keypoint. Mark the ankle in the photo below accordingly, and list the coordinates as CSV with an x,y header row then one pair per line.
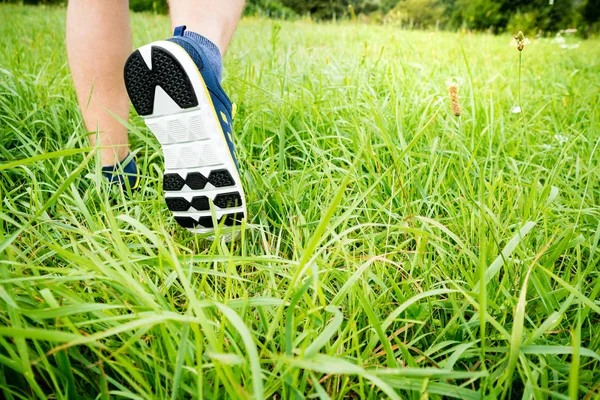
x,y
111,157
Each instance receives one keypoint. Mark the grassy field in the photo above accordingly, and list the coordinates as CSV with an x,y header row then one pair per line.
x,y
392,249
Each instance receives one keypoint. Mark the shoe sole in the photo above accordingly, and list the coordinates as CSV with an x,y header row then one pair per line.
x,y
200,176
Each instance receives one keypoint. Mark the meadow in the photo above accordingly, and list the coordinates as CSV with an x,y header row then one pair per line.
x,y
392,249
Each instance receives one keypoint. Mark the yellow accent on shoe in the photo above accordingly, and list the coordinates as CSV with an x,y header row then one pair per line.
x,y
137,182
224,117
139,176
233,110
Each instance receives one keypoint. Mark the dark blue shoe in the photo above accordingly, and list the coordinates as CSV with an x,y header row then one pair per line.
x,y
174,88
124,173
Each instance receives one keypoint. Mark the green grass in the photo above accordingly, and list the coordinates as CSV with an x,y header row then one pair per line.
x,y
392,249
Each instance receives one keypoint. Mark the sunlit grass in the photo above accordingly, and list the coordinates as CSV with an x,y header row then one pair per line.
x,y
392,249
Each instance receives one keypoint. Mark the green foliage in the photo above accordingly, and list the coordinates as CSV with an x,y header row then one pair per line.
x,y
328,9
479,14
318,9
392,249
269,8
551,19
370,6
591,11
495,15
525,22
157,6
590,17
501,15
416,13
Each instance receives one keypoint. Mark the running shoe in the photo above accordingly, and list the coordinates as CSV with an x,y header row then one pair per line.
x,y
173,87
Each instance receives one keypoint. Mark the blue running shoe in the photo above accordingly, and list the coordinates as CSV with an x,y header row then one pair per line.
x,y
174,88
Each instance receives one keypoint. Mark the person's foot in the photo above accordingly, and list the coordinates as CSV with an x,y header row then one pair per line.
x,y
174,85
124,173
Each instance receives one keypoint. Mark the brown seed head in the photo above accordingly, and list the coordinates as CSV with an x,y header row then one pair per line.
x,y
453,91
519,41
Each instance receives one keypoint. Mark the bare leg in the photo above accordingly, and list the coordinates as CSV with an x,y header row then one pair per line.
x,y
98,44
214,19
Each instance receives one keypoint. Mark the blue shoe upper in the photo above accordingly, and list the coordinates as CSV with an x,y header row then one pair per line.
x,y
221,103
124,171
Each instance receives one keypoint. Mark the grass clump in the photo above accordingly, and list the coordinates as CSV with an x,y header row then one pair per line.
x,y
392,249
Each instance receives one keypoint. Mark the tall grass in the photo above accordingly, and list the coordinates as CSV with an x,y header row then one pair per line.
x,y
392,250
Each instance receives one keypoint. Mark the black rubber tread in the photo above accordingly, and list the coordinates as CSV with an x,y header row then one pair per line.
x,y
167,72
177,203
196,180
173,182
220,178
186,222
233,219
171,76
201,203
140,83
228,200
206,222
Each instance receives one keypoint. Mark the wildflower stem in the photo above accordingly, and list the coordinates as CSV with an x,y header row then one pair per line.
x,y
519,85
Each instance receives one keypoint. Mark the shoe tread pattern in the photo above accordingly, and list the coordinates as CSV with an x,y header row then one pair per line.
x,y
167,72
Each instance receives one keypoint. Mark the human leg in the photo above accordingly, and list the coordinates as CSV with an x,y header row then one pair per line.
x,y
98,43
216,20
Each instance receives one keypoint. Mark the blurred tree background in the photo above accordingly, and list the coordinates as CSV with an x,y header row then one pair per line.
x,y
530,16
